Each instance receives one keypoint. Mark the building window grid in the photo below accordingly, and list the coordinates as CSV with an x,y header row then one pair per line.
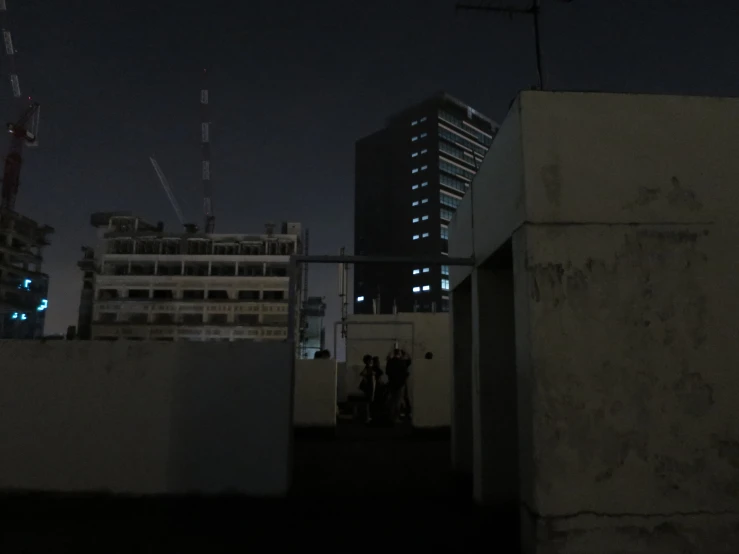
x,y
452,183
445,270
449,200
445,284
454,169
462,141
445,213
468,128
445,233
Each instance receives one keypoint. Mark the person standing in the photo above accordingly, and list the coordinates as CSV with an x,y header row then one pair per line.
x,y
397,370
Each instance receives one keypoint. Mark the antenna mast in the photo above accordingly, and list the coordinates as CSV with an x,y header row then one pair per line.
x,y
210,220
533,10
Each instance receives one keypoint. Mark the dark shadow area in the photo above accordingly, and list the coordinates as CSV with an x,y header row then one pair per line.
x,y
387,490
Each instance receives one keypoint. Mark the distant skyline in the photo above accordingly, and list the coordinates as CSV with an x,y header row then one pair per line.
x,y
294,85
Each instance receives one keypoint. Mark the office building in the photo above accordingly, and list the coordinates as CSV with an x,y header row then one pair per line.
x,y
409,179
141,282
23,285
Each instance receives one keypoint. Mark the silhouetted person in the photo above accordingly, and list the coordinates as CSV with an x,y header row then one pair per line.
x,y
367,386
397,373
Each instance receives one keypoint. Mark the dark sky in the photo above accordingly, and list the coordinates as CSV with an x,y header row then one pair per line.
x,y
294,84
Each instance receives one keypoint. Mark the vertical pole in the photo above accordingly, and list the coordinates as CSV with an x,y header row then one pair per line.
x,y
537,41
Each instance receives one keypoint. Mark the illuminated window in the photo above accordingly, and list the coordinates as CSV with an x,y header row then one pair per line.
x,y
424,218
360,298
424,151
445,284
416,271
414,123
424,200
414,170
414,154
414,139
423,119
425,235
415,237
424,135
414,187
425,184
426,288
426,269
416,289
415,203
415,220
445,233
445,270
424,168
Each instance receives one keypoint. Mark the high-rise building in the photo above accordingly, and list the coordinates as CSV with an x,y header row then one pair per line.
x,y
409,179
23,285
142,283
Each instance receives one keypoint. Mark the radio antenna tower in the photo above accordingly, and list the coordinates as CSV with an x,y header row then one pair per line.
x,y
210,220
532,10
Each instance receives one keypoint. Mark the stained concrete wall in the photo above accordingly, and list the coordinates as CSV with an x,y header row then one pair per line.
x,y
624,317
315,393
417,334
145,417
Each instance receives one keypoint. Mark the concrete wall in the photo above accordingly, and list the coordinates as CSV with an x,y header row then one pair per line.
x,y
145,417
625,310
417,334
315,393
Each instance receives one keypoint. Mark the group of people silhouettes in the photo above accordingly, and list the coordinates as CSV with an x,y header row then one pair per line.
x,y
387,391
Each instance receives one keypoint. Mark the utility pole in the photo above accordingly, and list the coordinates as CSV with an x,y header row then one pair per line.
x,y
533,10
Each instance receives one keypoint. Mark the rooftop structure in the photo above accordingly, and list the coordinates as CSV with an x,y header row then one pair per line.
x,y
141,282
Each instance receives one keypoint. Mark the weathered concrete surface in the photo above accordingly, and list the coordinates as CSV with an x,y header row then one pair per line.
x,y
315,393
625,316
145,417
632,383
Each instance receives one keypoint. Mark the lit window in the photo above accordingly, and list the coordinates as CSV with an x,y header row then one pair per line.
x,y
426,269
414,123
414,154
425,184
424,218
415,237
424,135
415,203
424,168
415,220
44,304
416,289
414,187
424,151
360,298
423,119
426,288
445,233
445,284
424,200
415,170
425,235
445,270
416,271
414,139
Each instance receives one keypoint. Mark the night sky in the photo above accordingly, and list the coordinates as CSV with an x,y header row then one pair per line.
x,y
294,84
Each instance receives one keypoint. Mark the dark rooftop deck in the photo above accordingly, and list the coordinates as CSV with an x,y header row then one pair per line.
x,y
367,488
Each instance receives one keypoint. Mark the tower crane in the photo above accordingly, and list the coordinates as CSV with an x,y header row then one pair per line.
x,y
23,132
190,227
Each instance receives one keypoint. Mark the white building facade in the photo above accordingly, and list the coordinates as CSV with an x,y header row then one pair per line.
x,y
142,283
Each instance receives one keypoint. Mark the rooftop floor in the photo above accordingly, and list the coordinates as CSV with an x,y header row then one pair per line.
x,y
366,488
